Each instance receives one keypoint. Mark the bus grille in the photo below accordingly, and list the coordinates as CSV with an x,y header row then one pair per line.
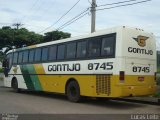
x,y
103,85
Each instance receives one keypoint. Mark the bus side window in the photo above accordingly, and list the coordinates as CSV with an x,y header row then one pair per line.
x,y
37,56
52,53
31,55
94,47
15,56
81,49
71,50
25,56
45,54
20,56
107,46
8,60
61,52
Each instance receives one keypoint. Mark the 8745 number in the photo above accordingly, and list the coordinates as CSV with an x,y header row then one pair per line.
x,y
141,69
97,66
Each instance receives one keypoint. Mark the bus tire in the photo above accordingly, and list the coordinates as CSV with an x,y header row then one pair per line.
x,y
15,86
73,91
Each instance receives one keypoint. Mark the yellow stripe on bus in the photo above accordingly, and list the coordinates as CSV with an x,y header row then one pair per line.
x,y
50,83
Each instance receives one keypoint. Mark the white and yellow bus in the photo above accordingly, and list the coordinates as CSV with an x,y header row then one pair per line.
x,y
112,63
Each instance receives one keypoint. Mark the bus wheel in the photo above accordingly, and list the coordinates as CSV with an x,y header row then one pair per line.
x,y
15,86
73,91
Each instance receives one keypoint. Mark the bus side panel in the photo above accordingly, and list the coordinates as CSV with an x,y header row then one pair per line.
x,y
15,72
56,83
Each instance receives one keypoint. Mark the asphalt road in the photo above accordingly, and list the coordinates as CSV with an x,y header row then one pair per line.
x,y
45,103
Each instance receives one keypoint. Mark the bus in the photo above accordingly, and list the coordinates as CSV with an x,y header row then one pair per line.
x,y
111,63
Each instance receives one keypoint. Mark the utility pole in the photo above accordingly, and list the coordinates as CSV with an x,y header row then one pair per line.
x,y
17,25
93,15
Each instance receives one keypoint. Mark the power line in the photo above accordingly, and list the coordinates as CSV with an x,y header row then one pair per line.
x,y
116,3
63,26
61,16
34,4
36,9
82,14
47,9
77,16
124,5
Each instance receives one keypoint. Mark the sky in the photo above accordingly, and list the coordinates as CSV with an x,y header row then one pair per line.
x,y
37,15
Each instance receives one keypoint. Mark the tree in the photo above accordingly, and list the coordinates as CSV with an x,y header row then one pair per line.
x,y
6,36
55,35
24,37
18,37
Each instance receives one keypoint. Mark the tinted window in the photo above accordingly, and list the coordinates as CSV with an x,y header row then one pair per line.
x,y
20,56
94,47
61,52
81,49
37,54
108,46
44,54
15,58
25,56
9,58
31,55
71,50
52,52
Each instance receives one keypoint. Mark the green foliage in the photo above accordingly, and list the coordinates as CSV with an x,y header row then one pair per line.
x,y
1,57
1,70
158,69
20,37
55,35
157,94
158,79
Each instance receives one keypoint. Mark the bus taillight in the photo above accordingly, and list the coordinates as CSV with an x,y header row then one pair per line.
x,y
121,76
